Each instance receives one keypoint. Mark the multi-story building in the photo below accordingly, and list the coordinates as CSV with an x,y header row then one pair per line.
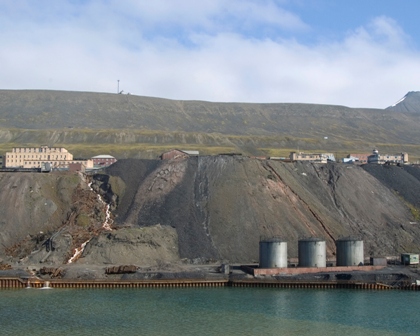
x,y
36,157
103,160
381,159
356,158
313,157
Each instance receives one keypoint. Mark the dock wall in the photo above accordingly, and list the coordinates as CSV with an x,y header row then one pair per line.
x,y
17,283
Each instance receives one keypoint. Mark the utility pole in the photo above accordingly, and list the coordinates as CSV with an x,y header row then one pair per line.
x,y
118,87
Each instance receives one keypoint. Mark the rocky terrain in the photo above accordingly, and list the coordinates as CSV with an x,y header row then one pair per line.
x,y
202,210
222,205
410,103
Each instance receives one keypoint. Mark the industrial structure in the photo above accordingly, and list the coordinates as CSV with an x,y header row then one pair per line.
x,y
356,158
312,252
312,257
101,161
349,252
409,259
37,157
312,157
401,158
273,253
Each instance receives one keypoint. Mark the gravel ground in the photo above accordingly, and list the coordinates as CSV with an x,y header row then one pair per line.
x,y
404,180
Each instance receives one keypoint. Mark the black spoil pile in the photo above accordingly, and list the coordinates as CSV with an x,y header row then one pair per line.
x,y
404,180
176,207
132,172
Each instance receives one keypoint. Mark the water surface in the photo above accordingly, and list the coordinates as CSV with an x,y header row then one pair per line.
x,y
208,311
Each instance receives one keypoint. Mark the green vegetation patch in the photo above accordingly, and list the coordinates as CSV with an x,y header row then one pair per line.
x,y
414,211
149,144
83,220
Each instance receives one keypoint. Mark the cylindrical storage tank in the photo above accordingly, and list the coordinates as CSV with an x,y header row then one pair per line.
x,y
312,252
273,253
349,252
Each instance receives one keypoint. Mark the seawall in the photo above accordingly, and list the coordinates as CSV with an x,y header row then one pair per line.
x,y
18,283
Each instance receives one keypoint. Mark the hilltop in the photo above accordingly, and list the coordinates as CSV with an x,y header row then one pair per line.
x,y
135,126
410,103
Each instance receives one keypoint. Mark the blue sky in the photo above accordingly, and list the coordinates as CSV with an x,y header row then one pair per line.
x,y
359,53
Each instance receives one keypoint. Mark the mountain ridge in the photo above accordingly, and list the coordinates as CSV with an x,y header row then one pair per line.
x,y
410,103
81,119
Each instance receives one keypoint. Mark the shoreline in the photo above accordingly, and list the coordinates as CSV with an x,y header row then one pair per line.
x,y
89,276
388,277
19,283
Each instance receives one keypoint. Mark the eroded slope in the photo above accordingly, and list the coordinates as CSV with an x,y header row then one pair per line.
x,y
204,208
222,205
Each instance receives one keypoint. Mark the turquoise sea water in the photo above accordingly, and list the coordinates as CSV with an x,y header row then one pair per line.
x,y
208,311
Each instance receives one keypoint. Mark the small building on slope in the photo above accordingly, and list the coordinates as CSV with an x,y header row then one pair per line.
x,y
178,154
100,161
401,158
312,157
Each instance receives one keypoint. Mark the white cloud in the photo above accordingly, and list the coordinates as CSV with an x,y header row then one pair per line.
x,y
209,16
208,50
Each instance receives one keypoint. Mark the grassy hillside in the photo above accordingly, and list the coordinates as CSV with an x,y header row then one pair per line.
x,y
134,126
150,144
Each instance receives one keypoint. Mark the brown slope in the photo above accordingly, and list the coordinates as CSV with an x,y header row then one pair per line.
x,y
36,207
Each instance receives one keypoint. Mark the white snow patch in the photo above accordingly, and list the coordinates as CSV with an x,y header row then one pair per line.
x,y
399,101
